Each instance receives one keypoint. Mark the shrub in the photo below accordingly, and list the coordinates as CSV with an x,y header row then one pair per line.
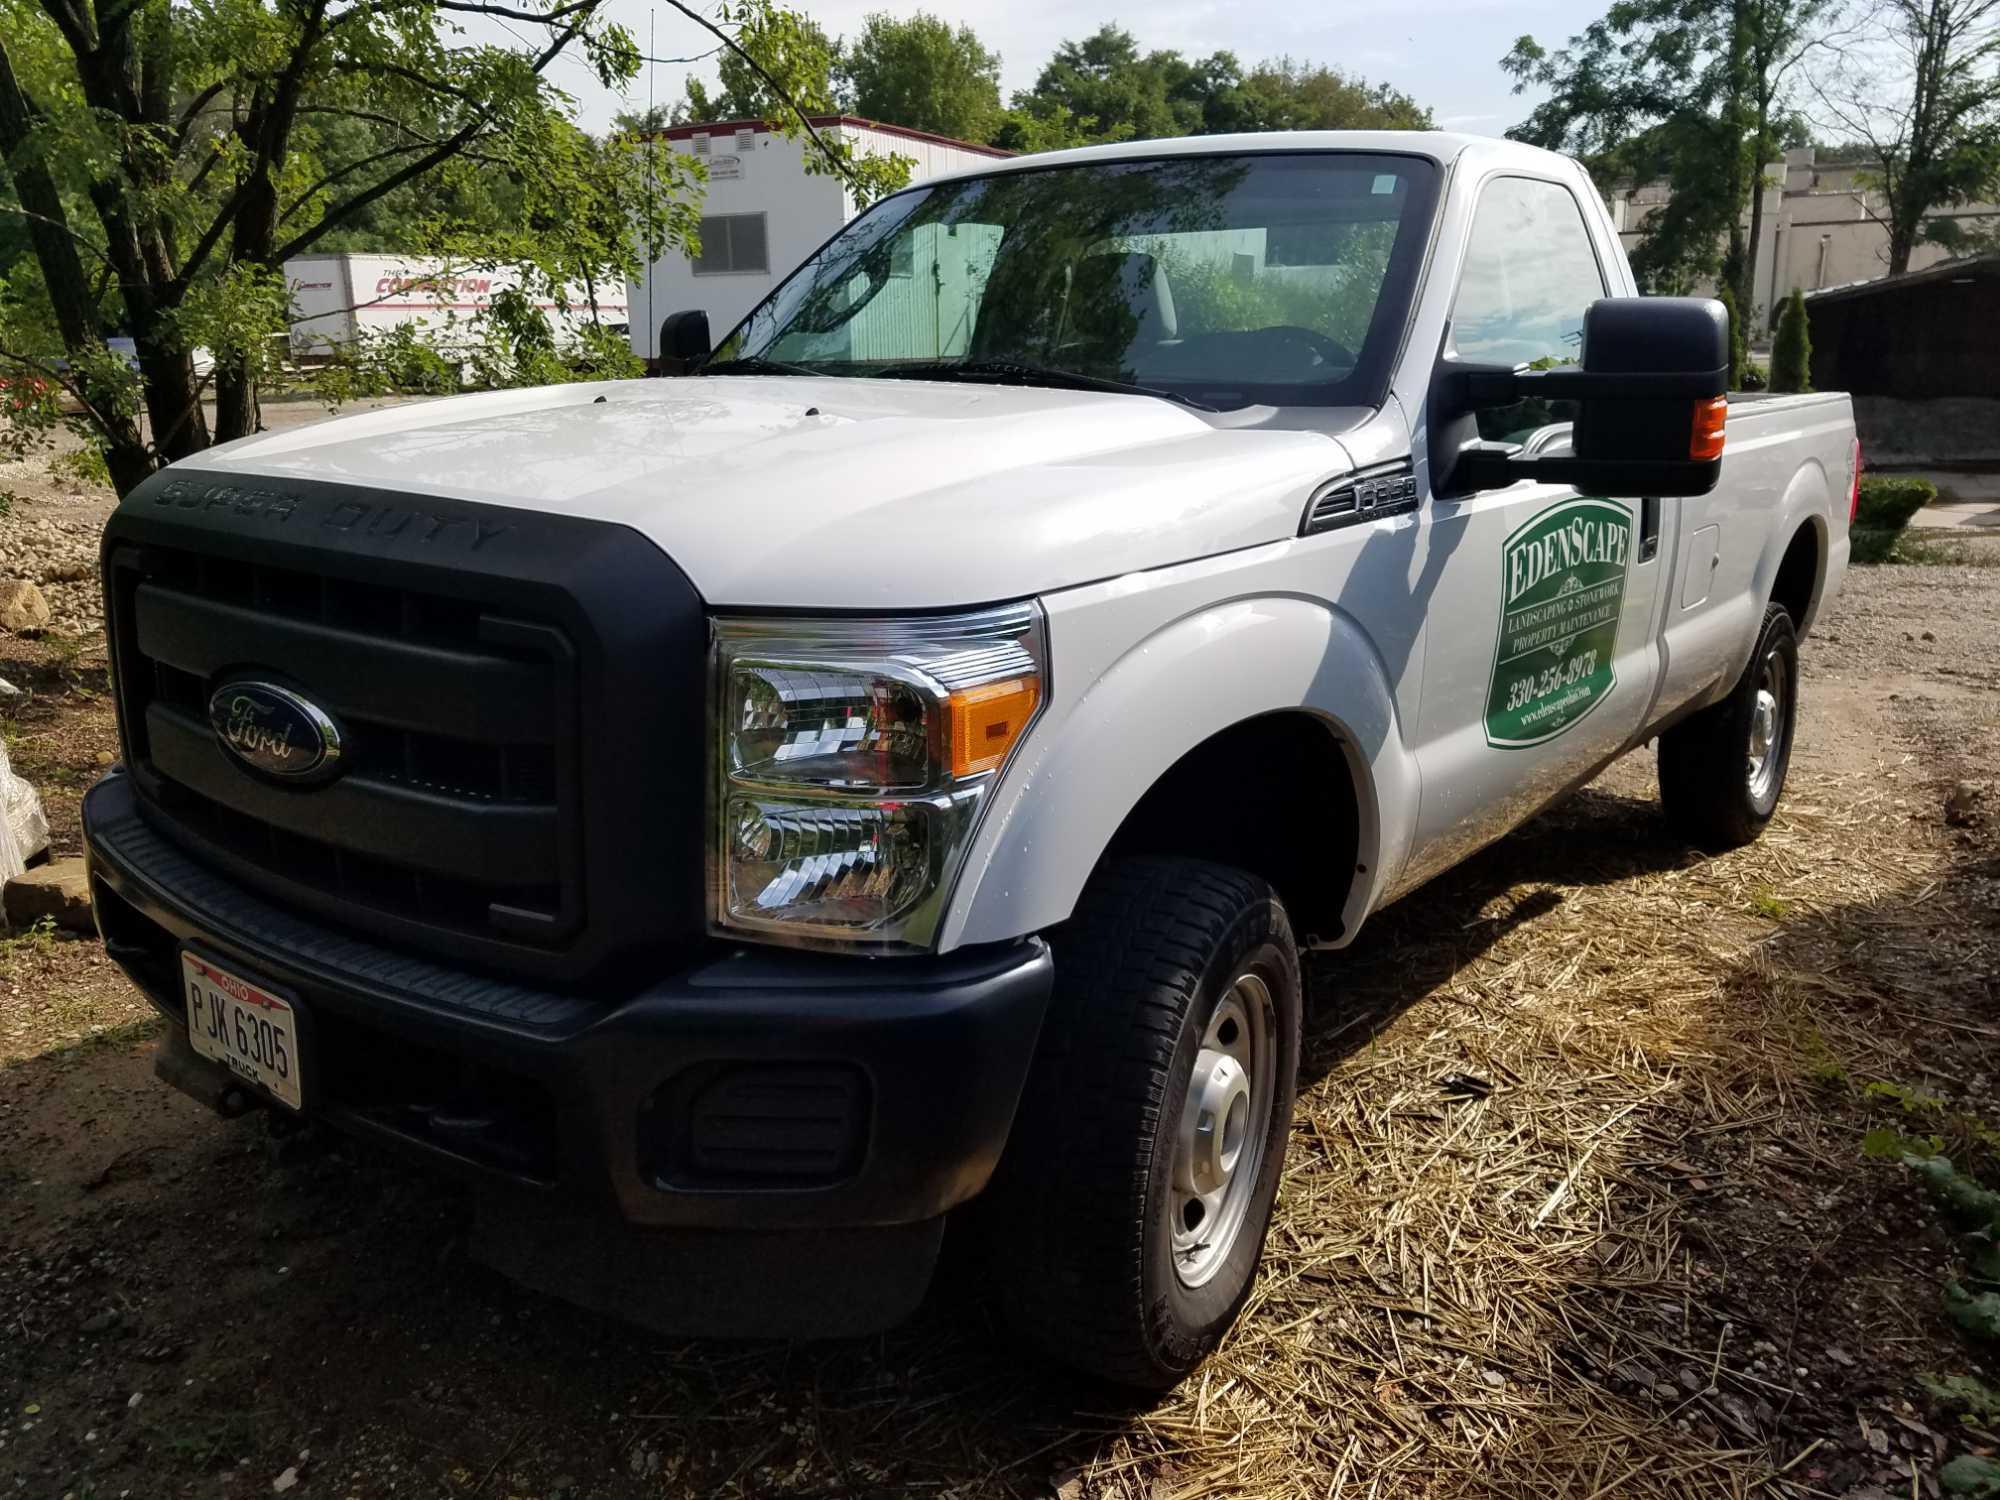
x,y
1890,500
1791,347
82,465
1887,503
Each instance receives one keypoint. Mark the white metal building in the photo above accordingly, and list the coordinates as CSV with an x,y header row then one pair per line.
x,y
1825,225
338,298
764,214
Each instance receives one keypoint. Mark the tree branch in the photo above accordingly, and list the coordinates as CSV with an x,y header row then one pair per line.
x,y
470,7
60,377
838,161
56,224
444,151
397,70
196,107
350,169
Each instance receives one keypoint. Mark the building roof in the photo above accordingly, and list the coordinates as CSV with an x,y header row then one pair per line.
x,y
1970,268
827,122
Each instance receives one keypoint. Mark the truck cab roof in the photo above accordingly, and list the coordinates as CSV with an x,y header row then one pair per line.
x,y
1441,146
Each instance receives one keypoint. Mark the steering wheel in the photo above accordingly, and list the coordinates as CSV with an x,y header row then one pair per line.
x,y
1329,351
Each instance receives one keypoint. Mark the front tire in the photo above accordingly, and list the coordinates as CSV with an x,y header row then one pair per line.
x,y
1128,1217
1722,770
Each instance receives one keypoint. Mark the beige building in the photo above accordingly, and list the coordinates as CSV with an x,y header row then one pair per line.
x,y
1817,232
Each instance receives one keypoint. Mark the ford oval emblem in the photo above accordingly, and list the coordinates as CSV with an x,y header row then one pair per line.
x,y
273,730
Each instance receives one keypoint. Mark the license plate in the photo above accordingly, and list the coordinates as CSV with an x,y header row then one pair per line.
x,y
244,1026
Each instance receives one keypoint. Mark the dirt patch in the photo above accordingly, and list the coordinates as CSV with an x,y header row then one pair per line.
x,y
1575,1204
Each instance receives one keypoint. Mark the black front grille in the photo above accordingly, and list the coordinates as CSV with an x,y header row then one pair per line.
x,y
456,717
521,698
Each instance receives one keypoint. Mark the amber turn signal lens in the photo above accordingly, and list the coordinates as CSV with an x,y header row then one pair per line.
x,y
987,720
1705,444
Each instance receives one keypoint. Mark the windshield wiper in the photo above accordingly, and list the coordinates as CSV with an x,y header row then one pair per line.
x,y
1030,374
755,364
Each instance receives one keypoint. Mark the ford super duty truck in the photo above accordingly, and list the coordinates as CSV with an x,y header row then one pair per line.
x,y
746,822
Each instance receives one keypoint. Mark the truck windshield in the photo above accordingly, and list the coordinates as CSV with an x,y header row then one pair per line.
x,y
1222,281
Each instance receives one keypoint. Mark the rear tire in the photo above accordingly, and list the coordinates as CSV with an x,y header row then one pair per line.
x,y
1127,1220
1722,770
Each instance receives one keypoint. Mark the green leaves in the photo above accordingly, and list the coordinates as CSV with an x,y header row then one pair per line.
x,y
1112,90
924,74
1791,347
1971,1478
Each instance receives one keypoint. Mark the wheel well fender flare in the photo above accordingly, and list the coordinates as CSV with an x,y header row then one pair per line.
x,y
1101,745
1807,505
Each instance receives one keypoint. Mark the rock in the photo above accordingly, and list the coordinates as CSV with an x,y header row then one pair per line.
x,y
1961,805
22,606
102,1322
8,690
59,890
285,1480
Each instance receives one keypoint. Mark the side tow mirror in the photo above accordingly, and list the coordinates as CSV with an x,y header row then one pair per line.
x,y
1650,398
683,341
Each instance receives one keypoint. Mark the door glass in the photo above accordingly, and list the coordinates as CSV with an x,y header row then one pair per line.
x,y
1529,275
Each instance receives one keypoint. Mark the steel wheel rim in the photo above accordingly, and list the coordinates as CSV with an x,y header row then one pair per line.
x,y
1219,1140
1768,727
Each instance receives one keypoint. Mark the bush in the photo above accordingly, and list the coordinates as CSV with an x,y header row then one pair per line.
x,y
1890,500
82,465
1887,503
1791,347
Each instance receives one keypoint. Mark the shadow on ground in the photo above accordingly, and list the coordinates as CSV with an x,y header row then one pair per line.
x,y
187,1300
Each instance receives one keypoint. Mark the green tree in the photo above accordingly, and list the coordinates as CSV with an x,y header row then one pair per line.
x,y
642,122
1039,125
789,47
1692,92
1285,95
1918,89
1791,349
1105,88
922,73
1106,79
166,160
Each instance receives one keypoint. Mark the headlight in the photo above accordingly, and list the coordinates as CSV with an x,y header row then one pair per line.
x,y
853,758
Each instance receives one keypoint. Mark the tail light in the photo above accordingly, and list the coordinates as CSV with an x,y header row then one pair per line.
x,y
1854,489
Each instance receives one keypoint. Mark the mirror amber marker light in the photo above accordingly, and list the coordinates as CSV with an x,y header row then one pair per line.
x,y
1705,443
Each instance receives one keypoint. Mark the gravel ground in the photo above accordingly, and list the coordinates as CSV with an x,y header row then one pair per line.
x,y
1653,1262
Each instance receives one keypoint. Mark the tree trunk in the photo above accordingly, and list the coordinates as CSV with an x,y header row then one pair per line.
x,y
1902,241
68,285
1746,298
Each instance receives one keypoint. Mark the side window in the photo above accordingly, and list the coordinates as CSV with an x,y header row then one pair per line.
x,y
1530,273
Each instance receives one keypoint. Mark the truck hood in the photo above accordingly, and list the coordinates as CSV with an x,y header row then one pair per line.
x,y
841,494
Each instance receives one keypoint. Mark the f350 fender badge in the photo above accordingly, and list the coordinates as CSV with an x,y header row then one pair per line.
x,y
275,731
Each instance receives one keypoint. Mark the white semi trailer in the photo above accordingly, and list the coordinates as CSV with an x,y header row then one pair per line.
x,y
345,297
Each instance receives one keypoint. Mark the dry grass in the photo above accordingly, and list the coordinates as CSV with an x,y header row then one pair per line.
x,y
1574,1206
1481,1279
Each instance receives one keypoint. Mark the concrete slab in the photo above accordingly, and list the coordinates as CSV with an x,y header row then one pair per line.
x,y
1966,500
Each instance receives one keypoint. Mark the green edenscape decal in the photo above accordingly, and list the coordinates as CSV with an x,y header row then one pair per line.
x,y
1562,590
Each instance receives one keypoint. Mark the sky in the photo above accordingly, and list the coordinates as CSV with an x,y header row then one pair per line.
x,y
1443,53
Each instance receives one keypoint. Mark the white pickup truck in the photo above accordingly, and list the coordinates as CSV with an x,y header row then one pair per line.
x,y
743,821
